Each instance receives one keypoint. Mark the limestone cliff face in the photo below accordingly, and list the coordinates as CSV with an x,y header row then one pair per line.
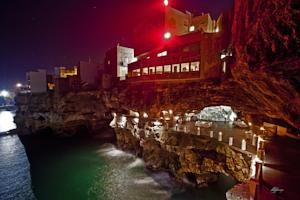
x,y
266,38
65,115
188,157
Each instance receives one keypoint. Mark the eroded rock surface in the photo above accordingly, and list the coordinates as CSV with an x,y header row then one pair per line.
x,y
64,115
188,157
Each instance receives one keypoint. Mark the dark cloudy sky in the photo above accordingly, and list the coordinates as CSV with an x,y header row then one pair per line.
x,y
48,33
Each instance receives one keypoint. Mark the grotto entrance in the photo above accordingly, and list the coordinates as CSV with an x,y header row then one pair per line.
x,y
217,114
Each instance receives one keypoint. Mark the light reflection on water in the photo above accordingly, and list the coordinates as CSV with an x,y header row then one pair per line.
x,y
14,170
14,166
6,121
124,177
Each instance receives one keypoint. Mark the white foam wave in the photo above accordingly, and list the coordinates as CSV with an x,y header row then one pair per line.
x,y
137,163
112,151
147,180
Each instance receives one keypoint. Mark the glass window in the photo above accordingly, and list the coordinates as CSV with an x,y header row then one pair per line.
x,y
175,68
145,71
136,72
195,66
159,69
167,69
151,70
185,67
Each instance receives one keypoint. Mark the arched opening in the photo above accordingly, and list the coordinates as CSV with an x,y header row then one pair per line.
x,y
217,114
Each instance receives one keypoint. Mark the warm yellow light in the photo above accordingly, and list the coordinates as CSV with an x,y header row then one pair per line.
x,y
166,2
64,72
192,28
18,85
167,35
249,123
262,128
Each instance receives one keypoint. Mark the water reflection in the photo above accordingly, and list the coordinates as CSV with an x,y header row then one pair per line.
x,y
6,121
14,170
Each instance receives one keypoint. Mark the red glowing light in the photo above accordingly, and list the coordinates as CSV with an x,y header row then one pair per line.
x,y
166,2
167,35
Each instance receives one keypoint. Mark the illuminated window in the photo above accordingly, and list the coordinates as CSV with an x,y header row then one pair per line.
x,y
64,72
151,70
185,67
161,54
195,66
159,69
167,69
145,71
176,68
136,72
51,86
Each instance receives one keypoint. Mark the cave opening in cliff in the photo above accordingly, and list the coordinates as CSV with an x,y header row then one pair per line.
x,y
191,177
217,113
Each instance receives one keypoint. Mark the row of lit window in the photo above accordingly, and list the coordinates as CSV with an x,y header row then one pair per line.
x,y
174,68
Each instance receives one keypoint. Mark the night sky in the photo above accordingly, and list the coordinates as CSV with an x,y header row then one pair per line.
x,y
47,33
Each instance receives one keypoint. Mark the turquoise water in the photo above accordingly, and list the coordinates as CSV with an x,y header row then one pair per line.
x,y
86,169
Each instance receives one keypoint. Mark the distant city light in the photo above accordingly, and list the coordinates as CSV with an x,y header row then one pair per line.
x,y
166,2
18,85
167,35
4,93
192,28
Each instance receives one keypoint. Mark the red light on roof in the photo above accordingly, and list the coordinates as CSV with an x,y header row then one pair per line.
x,y
167,35
166,2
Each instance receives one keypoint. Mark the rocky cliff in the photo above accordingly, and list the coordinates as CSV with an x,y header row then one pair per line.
x,y
62,115
188,157
266,38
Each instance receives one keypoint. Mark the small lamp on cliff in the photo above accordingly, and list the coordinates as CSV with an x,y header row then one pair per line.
x,y
167,35
262,129
19,85
244,145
